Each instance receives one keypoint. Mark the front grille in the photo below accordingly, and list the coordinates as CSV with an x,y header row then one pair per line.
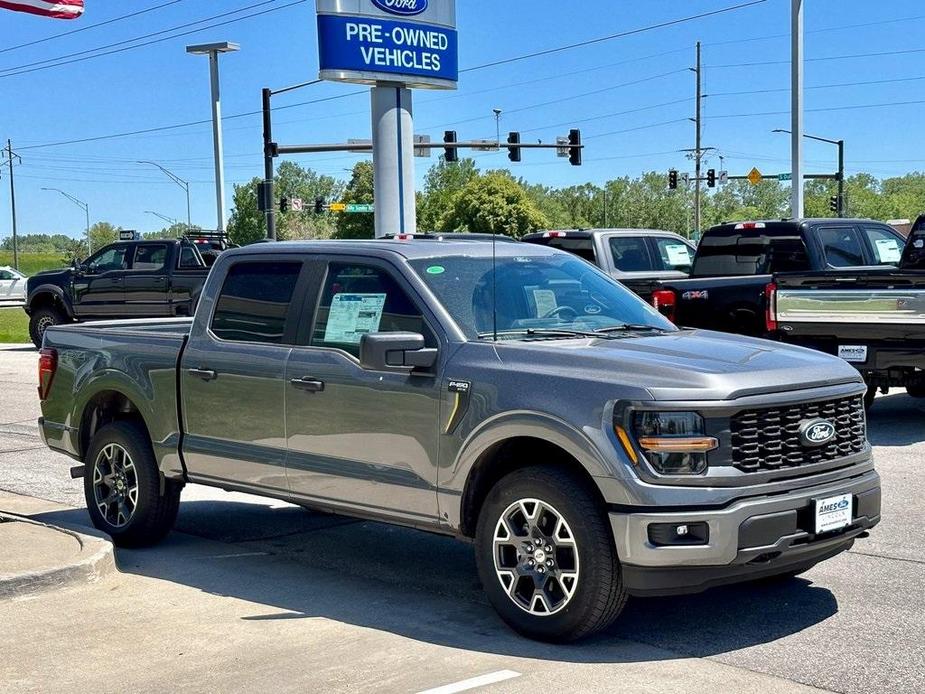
x,y
769,438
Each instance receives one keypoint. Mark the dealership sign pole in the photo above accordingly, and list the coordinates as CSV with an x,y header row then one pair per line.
x,y
394,46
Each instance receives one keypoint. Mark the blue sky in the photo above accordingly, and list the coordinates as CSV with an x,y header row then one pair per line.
x,y
631,96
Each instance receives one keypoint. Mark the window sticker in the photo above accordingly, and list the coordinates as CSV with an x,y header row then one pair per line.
x,y
678,254
888,250
545,300
352,316
436,270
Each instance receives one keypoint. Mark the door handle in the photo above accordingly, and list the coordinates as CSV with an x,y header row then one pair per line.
x,y
312,385
204,374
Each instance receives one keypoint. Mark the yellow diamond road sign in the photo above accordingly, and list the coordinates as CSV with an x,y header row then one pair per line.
x,y
337,207
754,176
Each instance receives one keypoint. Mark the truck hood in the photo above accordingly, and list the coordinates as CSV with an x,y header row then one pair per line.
x,y
48,277
684,365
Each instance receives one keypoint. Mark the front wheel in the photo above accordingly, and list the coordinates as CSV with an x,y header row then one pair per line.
x,y
42,319
122,487
546,557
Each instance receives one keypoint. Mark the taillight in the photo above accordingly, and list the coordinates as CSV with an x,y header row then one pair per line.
x,y
48,364
665,301
770,307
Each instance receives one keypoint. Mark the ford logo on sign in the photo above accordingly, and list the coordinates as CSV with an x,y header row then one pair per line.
x,y
816,432
406,8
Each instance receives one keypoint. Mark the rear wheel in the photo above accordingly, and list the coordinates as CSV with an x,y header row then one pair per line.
x,y
122,487
42,319
916,390
546,557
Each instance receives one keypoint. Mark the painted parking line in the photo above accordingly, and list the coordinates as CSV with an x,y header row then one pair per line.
x,y
473,682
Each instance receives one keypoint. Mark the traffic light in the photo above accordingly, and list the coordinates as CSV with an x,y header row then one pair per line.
x,y
672,179
711,178
284,204
319,205
574,150
450,153
833,203
513,148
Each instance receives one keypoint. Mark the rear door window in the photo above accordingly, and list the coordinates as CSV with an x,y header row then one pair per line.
x,y
150,258
189,258
673,254
885,244
631,254
358,299
254,304
842,246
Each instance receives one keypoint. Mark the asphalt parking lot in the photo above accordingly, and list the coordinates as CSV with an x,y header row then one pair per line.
x,y
253,593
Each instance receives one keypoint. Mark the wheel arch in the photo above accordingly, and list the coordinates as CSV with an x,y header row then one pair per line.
x,y
518,441
49,295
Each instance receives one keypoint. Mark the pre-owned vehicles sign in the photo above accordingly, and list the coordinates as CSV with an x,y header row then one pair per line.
x,y
412,42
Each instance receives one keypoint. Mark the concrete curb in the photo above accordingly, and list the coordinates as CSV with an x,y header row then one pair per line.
x,y
95,560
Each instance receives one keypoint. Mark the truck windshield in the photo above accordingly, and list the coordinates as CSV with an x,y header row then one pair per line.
x,y
535,296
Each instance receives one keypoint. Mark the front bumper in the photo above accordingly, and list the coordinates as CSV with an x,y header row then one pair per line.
x,y
750,538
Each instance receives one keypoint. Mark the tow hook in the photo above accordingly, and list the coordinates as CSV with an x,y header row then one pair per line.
x,y
78,471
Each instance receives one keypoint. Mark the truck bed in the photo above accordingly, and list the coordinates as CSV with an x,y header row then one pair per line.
x,y
136,358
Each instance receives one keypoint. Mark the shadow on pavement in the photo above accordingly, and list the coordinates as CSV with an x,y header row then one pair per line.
x,y
896,420
300,565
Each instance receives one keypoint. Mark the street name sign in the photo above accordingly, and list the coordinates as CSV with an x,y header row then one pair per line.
x,y
784,177
411,42
354,208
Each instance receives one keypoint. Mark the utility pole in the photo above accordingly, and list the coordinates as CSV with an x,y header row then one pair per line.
x,y
796,108
9,157
842,206
698,153
269,201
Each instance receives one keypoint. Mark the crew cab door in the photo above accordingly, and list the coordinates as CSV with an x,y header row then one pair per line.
x,y
358,439
232,377
146,281
99,284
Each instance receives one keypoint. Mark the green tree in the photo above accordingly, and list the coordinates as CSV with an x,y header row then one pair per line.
x,y
493,203
103,234
248,224
442,182
359,190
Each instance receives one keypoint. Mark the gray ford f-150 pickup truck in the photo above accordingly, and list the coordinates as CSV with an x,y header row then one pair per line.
x,y
513,395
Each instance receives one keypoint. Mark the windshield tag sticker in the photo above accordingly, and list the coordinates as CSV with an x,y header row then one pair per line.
x,y
436,270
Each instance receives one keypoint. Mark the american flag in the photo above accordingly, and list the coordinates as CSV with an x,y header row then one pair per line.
x,y
59,9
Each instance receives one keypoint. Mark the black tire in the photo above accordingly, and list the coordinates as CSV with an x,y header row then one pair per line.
x,y
869,397
153,512
598,594
916,390
44,318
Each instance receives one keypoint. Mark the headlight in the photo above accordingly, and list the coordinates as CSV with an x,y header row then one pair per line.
x,y
673,442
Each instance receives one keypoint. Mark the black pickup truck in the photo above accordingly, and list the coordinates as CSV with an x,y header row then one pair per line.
x,y
874,319
738,266
129,279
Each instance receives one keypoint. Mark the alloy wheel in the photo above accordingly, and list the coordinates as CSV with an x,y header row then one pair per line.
x,y
536,557
115,485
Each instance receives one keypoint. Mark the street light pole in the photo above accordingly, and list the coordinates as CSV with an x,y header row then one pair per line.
x,y
180,182
212,50
796,108
86,209
169,220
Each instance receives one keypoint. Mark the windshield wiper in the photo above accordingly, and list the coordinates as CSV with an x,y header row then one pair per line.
x,y
543,332
627,327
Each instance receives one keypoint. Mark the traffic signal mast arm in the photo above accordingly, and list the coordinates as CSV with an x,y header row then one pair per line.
x,y
574,146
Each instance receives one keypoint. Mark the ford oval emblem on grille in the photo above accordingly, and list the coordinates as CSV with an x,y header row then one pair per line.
x,y
816,432
406,8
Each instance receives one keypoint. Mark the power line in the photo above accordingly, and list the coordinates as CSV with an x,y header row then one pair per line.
x,y
824,109
41,66
611,37
820,59
89,26
821,86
